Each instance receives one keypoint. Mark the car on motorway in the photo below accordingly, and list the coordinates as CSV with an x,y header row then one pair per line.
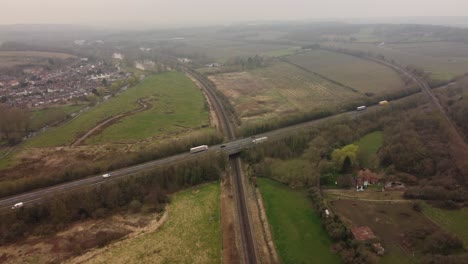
x,y
223,146
17,205
361,108
106,175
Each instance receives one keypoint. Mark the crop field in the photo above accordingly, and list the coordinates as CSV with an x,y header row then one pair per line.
x,y
362,75
444,60
391,222
175,104
192,233
297,230
452,220
278,90
13,58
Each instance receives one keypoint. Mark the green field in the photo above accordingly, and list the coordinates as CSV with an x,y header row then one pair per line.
x,y
177,104
444,60
363,75
368,146
297,230
453,220
40,118
192,233
278,90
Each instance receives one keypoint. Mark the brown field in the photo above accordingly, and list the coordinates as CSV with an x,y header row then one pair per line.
x,y
391,222
363,75
278,90
13,58
444,60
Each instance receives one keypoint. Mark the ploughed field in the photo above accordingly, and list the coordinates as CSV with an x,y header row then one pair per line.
x,y
359,74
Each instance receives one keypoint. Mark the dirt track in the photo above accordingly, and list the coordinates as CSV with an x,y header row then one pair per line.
x,y
107,122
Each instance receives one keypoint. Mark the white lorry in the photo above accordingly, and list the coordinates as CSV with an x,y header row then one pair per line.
x,y
199,149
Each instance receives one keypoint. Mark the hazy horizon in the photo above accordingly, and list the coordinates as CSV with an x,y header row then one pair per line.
x,y
148,13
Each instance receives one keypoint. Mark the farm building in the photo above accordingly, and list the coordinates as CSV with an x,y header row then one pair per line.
x,y
365,178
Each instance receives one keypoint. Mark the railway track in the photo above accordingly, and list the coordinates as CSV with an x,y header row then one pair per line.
x,y
247,241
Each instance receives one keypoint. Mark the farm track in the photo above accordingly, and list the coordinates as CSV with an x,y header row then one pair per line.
x,y
247,241
107,122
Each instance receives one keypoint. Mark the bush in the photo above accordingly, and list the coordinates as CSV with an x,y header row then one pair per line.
x,y
442,243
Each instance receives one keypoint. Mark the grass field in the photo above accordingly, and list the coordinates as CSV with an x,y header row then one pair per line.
x,y
453,220
40,118
297,230
444,60
192,233
368,146
280,89
362,75
177,104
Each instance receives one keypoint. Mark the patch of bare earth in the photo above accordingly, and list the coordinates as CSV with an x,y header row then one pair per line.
x,y
80,238
152,226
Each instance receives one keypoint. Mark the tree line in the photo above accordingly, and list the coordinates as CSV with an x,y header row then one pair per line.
x,y
73,172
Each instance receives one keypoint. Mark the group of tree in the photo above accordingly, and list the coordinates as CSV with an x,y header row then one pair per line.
x,y
14,124
248,63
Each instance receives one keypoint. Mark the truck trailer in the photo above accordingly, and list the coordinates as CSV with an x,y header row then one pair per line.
x,y
259,140
199,149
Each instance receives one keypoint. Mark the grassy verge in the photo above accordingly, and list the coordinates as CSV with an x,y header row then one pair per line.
x,y
166,114
192,233
453,220
297,230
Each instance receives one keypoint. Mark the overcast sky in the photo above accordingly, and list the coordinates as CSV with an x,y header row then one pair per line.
x,y
167,12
